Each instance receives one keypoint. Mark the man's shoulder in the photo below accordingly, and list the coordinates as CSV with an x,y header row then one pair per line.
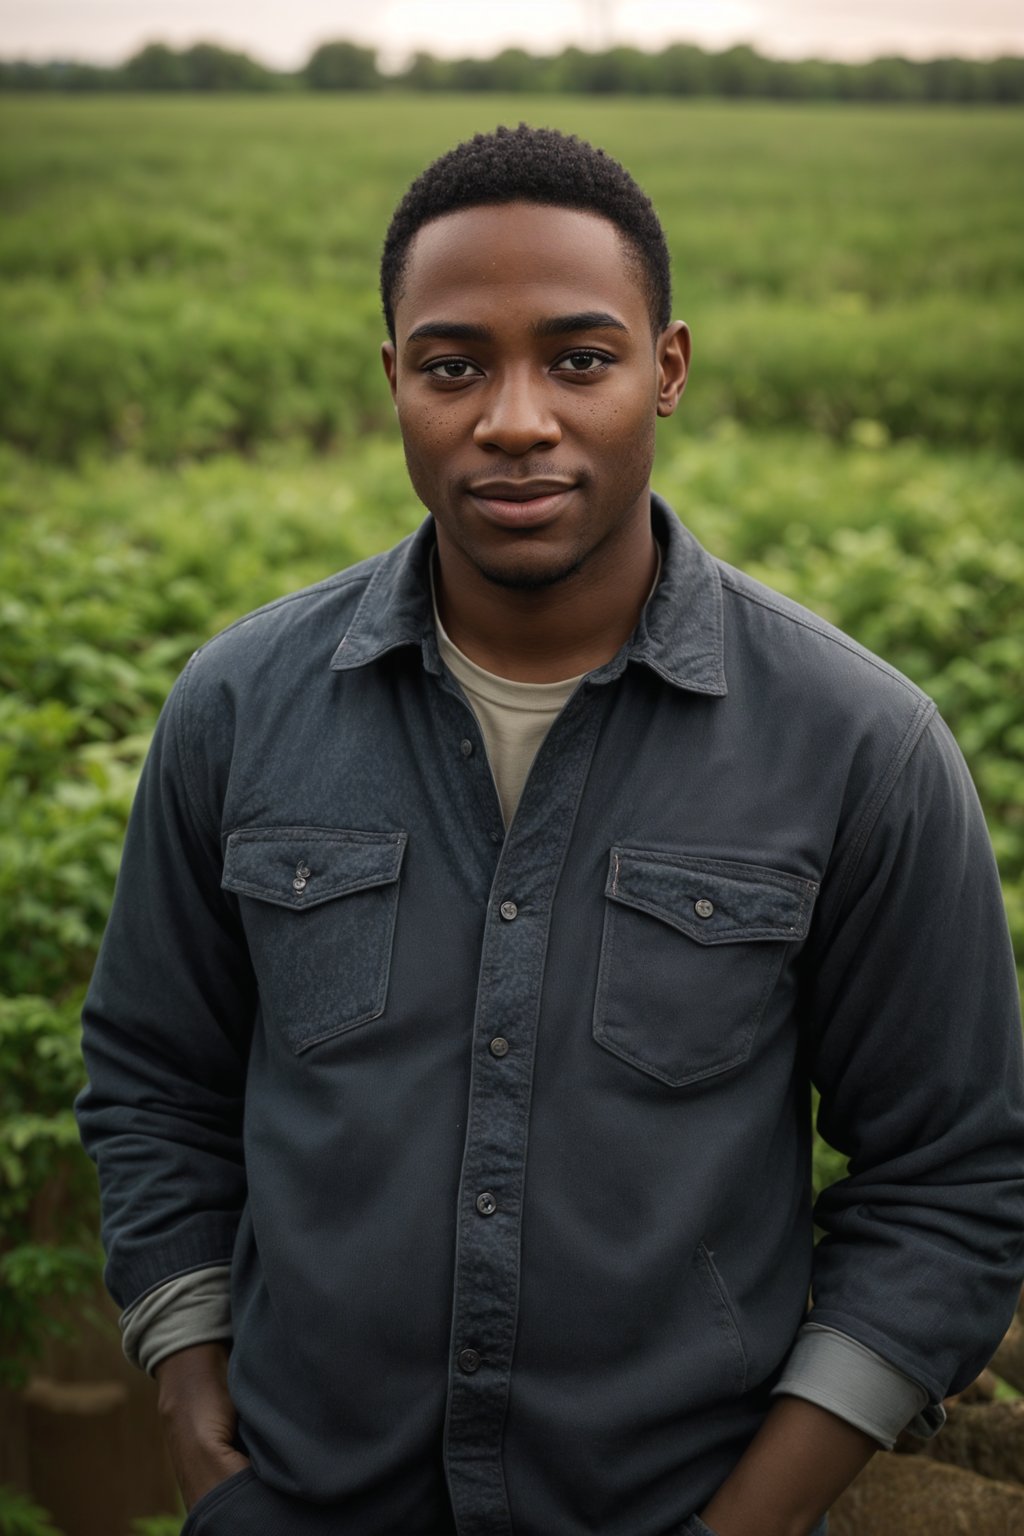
x,y
280,651
325,606
804,651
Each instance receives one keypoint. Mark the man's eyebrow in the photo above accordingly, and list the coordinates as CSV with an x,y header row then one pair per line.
x,y
585,320
449,330
554,325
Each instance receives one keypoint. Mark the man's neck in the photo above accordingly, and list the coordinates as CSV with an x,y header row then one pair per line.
x,y
543,635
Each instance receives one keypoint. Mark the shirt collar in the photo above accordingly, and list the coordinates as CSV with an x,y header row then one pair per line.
x,y
678,635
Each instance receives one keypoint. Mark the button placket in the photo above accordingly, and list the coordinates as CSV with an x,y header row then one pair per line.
x,y
488,1251
471,769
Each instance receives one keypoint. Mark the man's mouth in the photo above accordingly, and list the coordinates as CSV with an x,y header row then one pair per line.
x,y
521,503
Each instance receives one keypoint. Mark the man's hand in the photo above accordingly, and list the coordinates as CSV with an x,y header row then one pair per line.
x,y
793,1470
198,1418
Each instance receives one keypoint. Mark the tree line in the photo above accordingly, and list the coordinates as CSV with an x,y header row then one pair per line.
x,y
682,69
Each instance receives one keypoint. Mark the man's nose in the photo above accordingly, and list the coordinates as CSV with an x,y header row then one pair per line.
x,y
517,416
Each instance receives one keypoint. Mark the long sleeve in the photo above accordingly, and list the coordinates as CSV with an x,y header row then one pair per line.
x,y
194,1308
856,1384
165,1032
915,1045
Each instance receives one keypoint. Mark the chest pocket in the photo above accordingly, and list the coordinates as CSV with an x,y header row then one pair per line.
x,y
691,951
319,907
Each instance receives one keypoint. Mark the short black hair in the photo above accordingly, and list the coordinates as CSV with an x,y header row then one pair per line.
x,y
531,165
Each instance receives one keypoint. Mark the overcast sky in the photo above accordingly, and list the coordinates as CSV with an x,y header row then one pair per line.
x,y
283,34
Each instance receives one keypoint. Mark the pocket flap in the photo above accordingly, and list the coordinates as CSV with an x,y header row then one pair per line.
x,y
714,901
300,867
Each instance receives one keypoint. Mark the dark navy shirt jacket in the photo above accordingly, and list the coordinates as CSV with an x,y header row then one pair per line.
x,y
506,1135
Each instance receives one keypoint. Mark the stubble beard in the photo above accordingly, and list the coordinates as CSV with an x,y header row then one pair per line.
x,y
524,580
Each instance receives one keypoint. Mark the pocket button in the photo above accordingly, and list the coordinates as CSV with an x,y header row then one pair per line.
x,y
703,907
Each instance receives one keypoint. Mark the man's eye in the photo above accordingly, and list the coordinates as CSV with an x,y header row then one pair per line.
x,y
451,368
583,360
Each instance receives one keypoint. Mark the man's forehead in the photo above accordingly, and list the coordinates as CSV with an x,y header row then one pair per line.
x,y
578,254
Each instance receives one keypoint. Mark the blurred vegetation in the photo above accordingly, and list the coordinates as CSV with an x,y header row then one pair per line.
x,y
159,1525
195,420
681,69
19,1516
207,282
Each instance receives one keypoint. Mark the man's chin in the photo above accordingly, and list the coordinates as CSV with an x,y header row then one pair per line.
x,y
527,576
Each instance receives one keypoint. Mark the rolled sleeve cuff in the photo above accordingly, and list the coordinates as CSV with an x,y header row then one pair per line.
x,y
836,1372
189,1309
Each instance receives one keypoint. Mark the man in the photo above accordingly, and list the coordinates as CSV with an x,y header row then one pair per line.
x,y
486,913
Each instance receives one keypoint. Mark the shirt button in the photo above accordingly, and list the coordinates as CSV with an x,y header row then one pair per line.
x,y
499,1046
509,911
466,747
486,1203
469,1360
703,908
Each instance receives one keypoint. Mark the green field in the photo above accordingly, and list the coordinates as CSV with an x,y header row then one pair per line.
x,y
188,276
194,420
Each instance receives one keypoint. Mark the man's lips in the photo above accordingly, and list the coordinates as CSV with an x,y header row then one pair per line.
x,y
523,503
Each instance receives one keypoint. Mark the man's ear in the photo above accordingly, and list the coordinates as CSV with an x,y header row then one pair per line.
x,y
673,352
389,357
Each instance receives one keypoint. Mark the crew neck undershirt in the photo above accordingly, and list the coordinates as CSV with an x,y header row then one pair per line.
x,y
514,717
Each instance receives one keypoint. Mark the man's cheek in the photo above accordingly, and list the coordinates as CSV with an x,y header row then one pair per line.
x,y
430,444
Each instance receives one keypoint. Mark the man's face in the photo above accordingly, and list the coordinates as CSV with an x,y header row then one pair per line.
x,y
527,382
